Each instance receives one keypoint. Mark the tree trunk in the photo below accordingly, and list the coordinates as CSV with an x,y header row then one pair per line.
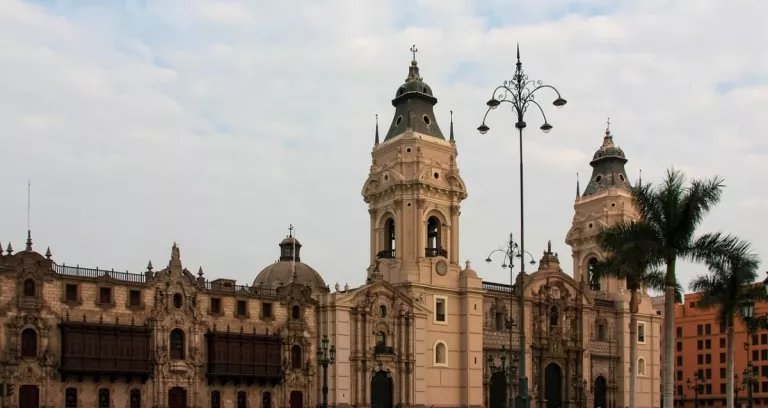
x,y
632,347
668,374
729,370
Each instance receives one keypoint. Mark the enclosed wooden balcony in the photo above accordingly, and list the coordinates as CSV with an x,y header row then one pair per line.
x,y
244,358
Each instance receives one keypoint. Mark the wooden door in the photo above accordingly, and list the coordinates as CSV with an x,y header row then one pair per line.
x,y
29,396
177,397
297,399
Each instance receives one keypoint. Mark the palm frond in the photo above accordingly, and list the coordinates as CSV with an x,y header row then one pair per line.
x,y
699,199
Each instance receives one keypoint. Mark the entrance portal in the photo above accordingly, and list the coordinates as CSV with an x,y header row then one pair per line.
x,y
600,392
29,396
381,390
553,386
498,394
177,397
297,399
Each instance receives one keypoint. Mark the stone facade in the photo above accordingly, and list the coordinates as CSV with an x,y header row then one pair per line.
x,y
39,296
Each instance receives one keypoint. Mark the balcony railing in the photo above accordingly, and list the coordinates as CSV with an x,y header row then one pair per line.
x,y
81,272
433,252
386,254
383,349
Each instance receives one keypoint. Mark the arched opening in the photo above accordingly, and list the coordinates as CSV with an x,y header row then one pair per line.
x,y
177,397
594,280
600,392
295,312
177,344
388,252
104,400
29,343
641,366
242,399
29,396
498,392
381,339
297,399
215,399
30,288
135,398
434,242
441,353
554,316
296,359
266,400
178,300
553,386
70,398
381,390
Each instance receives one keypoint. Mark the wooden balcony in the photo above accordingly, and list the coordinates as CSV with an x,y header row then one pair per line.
x,y
244,358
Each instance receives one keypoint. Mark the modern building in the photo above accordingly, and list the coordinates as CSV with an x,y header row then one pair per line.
x,y
700,350
419,332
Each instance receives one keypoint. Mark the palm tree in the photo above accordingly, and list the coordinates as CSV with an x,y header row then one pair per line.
x,y
632,266
728,285
670,215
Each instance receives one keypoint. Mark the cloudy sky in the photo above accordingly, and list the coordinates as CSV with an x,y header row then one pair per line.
x,y
219,123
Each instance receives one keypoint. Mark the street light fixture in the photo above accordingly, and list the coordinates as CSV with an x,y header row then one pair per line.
x,y
736,390
580,385
325,358
519,93
509,371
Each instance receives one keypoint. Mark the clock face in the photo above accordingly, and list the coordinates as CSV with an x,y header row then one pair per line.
x,y
441,268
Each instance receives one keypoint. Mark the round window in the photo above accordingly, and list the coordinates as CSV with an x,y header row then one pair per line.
x,y
399,120
436,175
621,177
426,120
178,300
598,179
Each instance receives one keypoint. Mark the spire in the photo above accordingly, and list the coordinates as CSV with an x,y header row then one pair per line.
x,y
294,277
48,253
376,140
608,138
413,71
578,186
29,241
9,249
452,140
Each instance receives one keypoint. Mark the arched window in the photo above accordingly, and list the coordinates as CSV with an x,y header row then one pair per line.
x,y
266,400
594,281
554,316
381,339
29,288
296,312
104,400
70,398
242,399
433,233
29,343
641,366
296,359
177,344
215,399
441,353
390,240
135,398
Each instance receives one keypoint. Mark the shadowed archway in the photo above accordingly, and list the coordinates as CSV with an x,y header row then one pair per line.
x,y
553,386
498,391
600,392
381,390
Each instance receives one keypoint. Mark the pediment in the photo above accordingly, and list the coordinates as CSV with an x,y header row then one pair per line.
x,y
546,280
368,296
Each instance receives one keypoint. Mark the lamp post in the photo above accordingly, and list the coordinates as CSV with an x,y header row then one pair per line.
x,y
697,386
511,251
736,390
325,357
580,386
509,371
748,380
519,93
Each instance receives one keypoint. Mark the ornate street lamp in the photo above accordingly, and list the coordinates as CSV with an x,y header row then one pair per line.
x,y
749,379
519,93
736,390
697,386
325,357
509,371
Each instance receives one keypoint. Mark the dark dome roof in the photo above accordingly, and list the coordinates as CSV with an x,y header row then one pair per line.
x,y
281,271
414,83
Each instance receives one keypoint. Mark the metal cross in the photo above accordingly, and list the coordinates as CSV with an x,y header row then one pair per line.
x,y
608,124
414,50
290,230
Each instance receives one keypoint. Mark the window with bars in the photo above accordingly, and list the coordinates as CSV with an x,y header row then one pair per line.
x,y
215,399
135,398
70,398
242,399
104,398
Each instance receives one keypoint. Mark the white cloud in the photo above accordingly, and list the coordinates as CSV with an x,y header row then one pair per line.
x,y
219,123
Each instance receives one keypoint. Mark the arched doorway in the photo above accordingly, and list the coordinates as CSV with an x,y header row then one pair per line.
x,y
29,396
381,390
553,386
498,394
601,391
177,397
297,399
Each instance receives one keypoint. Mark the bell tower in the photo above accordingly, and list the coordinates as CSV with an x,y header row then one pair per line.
x,y
414,192
606,200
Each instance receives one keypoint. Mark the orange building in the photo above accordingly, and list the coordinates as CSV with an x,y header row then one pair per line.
x,y
700,346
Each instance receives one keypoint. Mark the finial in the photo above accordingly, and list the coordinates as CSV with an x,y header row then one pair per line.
x,y
48,253
149,265
346,287
29,240
640,180
452,139
467,267
376,142
9,248
414,50
608,126
290,231
337,287
200,272
578,186
549,246
519,64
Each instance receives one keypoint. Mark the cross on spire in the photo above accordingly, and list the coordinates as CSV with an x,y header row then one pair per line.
x,y
608,124
414,50
290,230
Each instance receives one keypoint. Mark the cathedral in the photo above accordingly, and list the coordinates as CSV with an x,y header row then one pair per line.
x,y
423,330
